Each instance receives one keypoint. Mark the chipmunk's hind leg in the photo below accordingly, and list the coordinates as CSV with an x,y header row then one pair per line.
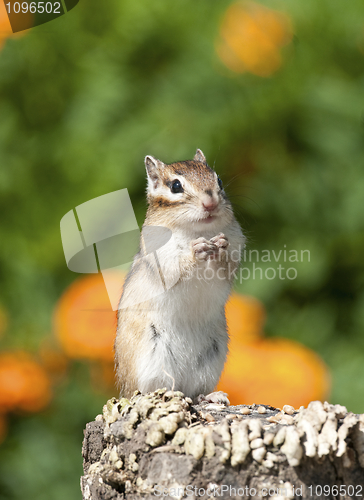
x,y
217,397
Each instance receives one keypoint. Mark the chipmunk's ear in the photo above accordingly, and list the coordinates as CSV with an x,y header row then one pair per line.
x,y
153,167
199,156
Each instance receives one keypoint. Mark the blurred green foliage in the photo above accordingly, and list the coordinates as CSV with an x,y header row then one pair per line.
x,y
85,97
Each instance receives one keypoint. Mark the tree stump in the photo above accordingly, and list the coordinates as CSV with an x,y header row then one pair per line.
x,y
160,445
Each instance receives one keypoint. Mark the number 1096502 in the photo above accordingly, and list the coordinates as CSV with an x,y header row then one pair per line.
x,y
34,7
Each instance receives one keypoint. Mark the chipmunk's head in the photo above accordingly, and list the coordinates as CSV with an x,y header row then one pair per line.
x,y
187,193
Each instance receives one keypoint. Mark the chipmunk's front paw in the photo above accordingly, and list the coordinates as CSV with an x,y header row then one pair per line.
x,y
203,249
220,241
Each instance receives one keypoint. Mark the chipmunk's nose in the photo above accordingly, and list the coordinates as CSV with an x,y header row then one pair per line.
x,y
209,203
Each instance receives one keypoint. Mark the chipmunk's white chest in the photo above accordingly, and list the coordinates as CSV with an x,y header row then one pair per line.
x,y
187,338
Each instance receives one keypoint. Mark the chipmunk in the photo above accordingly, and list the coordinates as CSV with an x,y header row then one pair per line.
x,y
176,336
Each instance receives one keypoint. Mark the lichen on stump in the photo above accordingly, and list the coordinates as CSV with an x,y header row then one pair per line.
x,y
159,444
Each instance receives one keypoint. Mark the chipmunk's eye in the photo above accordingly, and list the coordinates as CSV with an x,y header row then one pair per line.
x,y
219,181
176,187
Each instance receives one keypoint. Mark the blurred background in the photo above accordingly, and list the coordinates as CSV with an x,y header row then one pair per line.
x,y
272,92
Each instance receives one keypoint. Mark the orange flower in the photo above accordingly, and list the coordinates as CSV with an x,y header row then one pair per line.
x,y
24,384
84,321
269,371
245,317
20,22
251,37
5,28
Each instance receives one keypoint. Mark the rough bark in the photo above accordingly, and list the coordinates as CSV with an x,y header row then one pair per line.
x,y
160,445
